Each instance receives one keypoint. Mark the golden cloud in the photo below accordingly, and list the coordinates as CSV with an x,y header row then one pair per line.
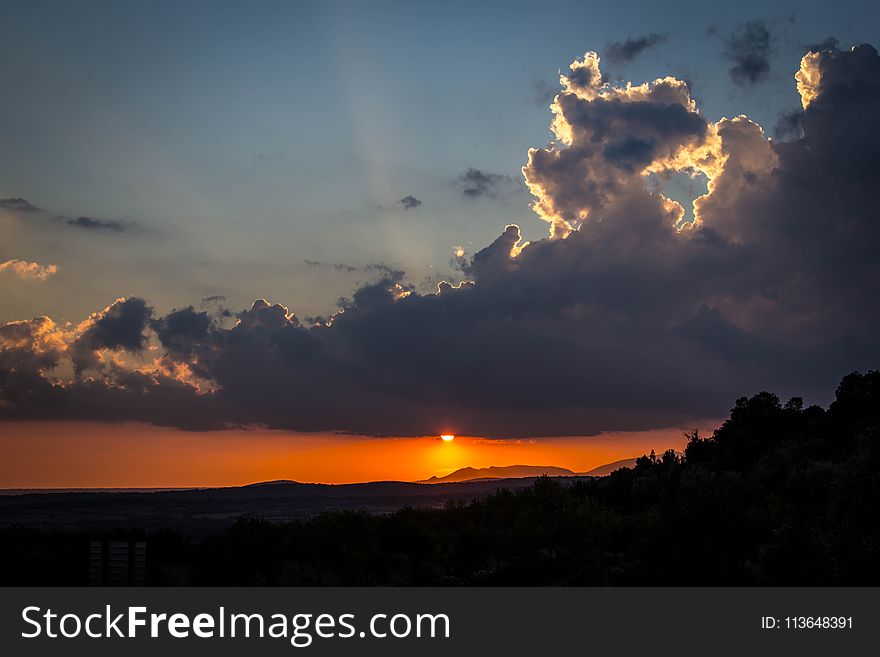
x,y
28,271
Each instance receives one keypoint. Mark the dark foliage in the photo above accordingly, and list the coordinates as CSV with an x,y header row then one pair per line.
x,y
779,494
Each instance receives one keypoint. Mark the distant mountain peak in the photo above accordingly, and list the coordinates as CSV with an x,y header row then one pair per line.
x,y
500,472
521,471
608,468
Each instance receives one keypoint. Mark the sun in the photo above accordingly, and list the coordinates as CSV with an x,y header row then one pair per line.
x,y
447,437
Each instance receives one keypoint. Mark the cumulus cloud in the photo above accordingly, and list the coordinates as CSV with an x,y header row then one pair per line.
x,y
622,318
28,271
607,137
622,52
749,49
180,331
119,326
409,202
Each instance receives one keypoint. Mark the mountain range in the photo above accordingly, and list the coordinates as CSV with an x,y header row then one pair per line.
x,y
519,471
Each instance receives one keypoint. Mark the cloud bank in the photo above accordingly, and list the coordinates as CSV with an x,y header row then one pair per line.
x,y
624,317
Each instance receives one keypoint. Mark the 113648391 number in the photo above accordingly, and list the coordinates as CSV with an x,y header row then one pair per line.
x,y
807,623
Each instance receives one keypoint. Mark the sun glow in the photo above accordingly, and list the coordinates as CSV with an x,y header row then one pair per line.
x,y
36,454
447,437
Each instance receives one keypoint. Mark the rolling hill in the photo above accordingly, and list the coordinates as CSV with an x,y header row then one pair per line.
x,y
520,471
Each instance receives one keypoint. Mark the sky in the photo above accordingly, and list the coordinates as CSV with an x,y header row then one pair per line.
x,y
89,455
363,224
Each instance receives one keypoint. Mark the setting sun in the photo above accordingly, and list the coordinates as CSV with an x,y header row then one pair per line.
x,y
447,437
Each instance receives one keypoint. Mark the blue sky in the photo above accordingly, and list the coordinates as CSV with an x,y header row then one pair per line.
x,y
242,139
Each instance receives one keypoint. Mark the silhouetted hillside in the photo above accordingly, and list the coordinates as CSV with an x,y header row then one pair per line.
x,y
501,472
608,468
519,471
779,494
202,511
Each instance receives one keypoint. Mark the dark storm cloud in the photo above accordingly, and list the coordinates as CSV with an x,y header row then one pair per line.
x,y
630,152
789,123
749,49
180,331
18,204
620,321
475,183
409,202
90,223
622,52
120,326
